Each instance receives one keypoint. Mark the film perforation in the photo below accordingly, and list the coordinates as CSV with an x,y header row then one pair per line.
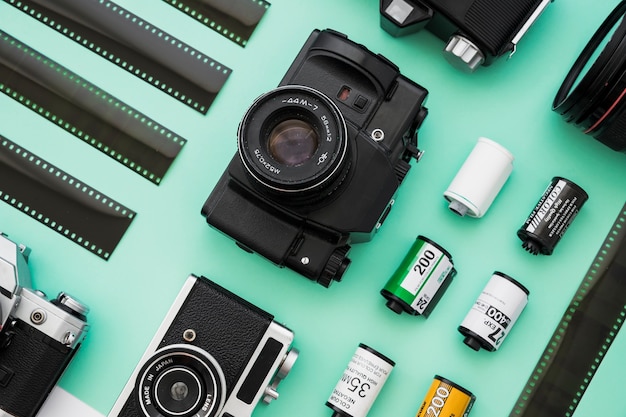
x,y
72,206
236,28
591,316
197,90
150,142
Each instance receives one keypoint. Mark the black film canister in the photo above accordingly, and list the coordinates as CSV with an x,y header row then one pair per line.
x,y
552,215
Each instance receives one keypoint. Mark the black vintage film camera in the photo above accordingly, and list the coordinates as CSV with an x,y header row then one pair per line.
x,y
214,355
38,338
476,31
320,158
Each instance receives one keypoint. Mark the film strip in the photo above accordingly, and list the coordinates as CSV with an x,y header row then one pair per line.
x,y
233,19
87,112
60,201
583,336
135,45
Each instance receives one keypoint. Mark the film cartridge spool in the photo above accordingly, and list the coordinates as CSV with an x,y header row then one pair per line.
x,y
421,279
480,179
551,217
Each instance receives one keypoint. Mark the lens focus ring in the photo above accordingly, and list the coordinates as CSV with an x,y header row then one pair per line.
x,y
593,94
293,139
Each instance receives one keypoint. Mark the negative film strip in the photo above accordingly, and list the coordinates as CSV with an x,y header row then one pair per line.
x,y
583,336
60,201
135,45
233,19
87,112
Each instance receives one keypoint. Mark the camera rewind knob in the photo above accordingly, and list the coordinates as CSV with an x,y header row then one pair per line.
x,y
463,53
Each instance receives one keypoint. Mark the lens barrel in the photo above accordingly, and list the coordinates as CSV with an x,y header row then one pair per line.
x,y
181,381
293,140
594,100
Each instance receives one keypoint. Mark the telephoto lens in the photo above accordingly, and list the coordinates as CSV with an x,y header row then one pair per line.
x,y
592,94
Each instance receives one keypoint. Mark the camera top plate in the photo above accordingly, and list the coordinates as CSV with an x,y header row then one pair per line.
x,y
14,275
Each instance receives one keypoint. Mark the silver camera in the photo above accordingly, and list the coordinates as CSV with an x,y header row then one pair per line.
x,y
38,337
214,355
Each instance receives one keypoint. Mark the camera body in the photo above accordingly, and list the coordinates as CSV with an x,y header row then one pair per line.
x,y
214,355
38,338
320,158
476,31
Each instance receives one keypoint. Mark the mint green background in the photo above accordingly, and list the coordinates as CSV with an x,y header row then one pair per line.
x,y
508,102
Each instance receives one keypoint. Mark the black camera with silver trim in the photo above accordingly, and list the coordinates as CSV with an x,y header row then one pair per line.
x,y
38,337
476,31
320,158
214,355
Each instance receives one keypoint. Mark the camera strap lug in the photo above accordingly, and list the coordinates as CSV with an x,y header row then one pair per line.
x,y
394,86
412,151
402,167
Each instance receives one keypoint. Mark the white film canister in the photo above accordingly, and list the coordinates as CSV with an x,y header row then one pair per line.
x,y
480,179
360,384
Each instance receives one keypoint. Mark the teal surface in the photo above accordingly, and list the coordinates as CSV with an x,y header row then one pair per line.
x,y
508,102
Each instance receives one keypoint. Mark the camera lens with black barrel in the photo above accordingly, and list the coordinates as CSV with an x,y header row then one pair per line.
x,y
181,381
292,142
592,94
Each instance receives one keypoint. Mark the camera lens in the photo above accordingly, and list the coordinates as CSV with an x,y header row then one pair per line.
x,y
181,381
293,140
178,391
592,94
